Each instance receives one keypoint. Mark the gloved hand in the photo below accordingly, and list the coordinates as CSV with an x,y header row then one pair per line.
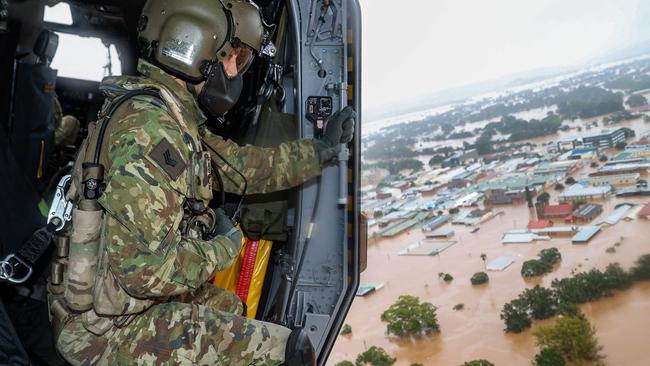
x,y
339,130
225,227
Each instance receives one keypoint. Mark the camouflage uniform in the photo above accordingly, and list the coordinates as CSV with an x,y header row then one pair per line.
x,y
66,128
151,303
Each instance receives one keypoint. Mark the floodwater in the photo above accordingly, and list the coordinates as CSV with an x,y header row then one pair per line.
x,y
622,321
638,125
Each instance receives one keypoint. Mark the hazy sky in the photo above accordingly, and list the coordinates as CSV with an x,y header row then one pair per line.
x,y
413,47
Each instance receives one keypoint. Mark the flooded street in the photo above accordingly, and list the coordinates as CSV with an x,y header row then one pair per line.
x,y
622,321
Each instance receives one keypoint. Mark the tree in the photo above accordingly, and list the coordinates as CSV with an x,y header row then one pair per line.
x,y
535,267
484,258
550,255
344,363
479,278
569,181
558,186
620,145
573,337
544,197
459,307
636,100
375,356
445,277
454,210
641,269
617,278
549,357
478,363
603,158
541,302
346,329
436,160
568,309
408,317
515,316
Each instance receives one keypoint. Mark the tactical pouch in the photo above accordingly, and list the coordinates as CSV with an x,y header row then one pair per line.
x,y
266,221
110,298
84,251
201,178
59,316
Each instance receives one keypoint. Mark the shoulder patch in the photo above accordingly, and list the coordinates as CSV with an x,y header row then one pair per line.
x,y
169,159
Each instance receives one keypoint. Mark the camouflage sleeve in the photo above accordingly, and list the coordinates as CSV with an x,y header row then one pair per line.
x,y
147,253
266,169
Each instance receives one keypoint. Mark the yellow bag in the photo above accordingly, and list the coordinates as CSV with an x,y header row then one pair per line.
x,y
232,278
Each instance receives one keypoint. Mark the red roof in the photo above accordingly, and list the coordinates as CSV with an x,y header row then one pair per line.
x,y
645,211
539,224
564,209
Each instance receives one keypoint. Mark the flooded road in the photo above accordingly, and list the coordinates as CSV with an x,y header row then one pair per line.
x,y
622,321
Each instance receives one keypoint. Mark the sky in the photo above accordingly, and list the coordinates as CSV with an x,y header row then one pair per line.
x,y
415,47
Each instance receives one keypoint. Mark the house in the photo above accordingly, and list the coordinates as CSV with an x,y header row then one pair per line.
x,y
539,224
580,192
614,180
585,213
384,194
435,223
499,196
402,185
584,153
550,212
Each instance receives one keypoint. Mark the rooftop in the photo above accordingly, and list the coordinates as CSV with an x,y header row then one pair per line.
x,y
539,224
617,215
562,209
578,190
590,210
585,234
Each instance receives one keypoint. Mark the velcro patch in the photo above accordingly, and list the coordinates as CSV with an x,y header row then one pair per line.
x,y
168,158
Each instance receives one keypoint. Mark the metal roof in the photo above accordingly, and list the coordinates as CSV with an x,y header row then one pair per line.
x,y
554,230
435,222
500,264
589,211
442,233
585,234
617,215
510,238
426,247
577,190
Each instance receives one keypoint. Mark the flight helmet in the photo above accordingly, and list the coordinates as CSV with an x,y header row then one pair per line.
x,y
185,38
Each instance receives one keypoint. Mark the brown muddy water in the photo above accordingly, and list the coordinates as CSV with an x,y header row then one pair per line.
x,y
622,321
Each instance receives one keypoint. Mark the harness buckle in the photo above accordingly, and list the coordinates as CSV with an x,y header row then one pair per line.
x,y
61,209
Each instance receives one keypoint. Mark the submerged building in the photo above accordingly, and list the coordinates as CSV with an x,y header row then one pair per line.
x,y
605,139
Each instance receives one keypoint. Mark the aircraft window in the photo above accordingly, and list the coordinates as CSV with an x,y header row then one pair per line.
x,y
59,13
85,58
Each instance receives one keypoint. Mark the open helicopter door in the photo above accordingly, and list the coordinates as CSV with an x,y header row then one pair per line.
x,y
326,249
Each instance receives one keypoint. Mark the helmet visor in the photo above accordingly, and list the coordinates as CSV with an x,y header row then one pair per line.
x,y
238,61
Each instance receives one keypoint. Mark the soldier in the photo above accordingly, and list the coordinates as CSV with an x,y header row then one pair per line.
x,y
135,289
